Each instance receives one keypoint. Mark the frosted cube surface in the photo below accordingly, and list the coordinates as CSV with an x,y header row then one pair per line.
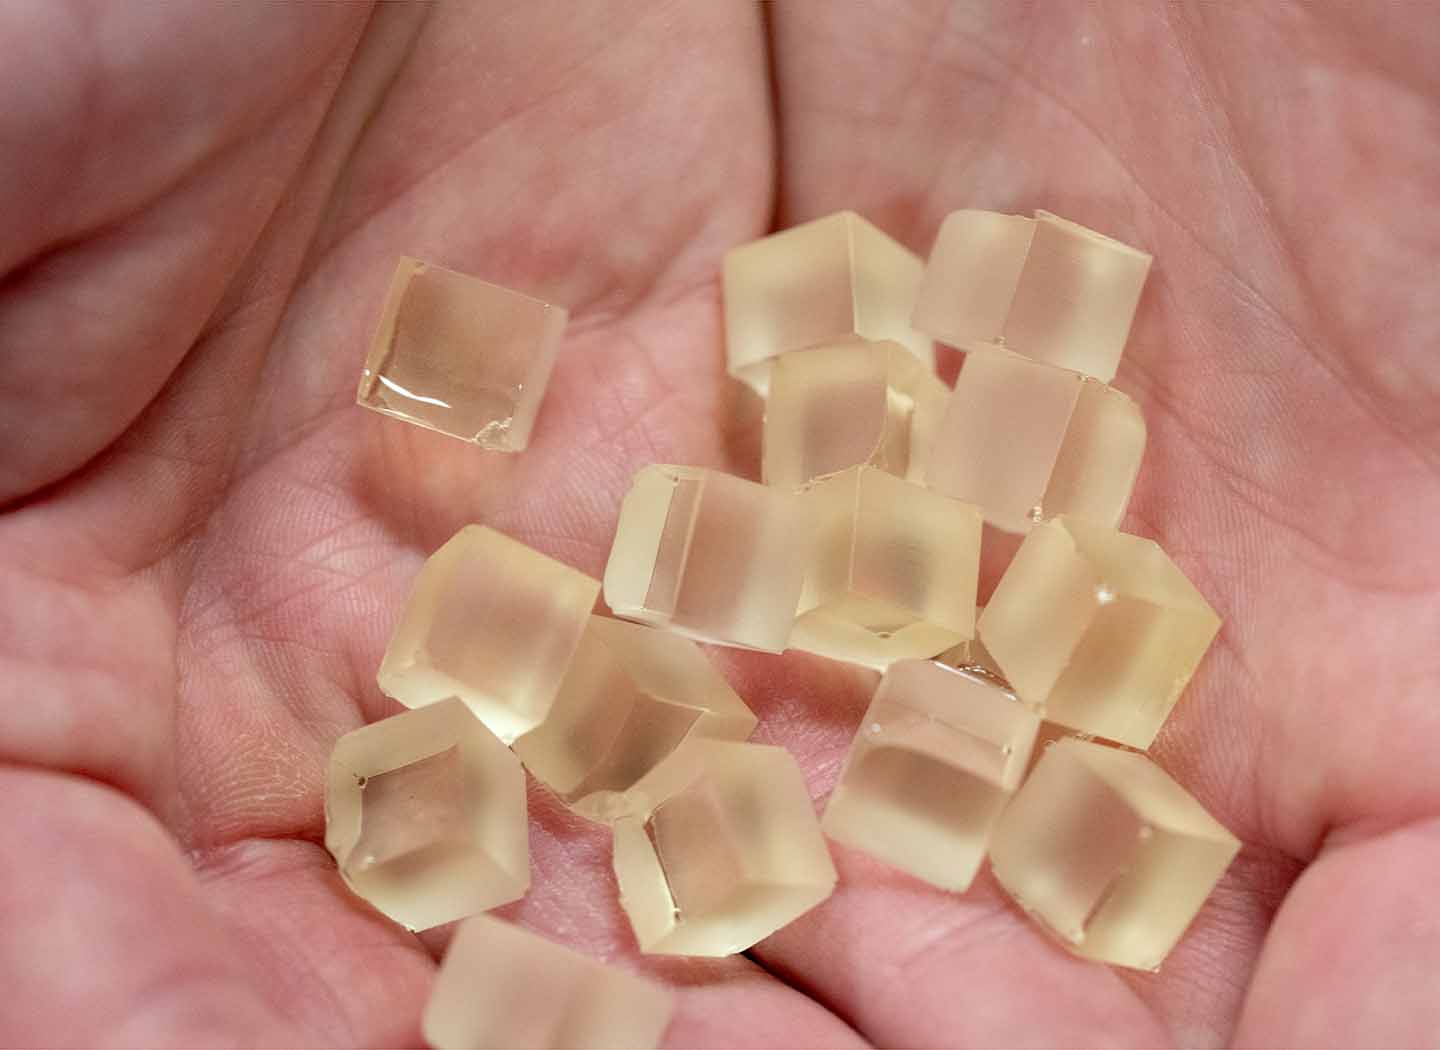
x,y
492,622
462,356
816,284
1109,853
1098,627
425,816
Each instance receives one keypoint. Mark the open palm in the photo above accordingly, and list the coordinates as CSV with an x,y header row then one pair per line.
x,y
204,544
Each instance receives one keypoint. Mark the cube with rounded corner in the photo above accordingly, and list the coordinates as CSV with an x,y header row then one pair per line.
x,y
425,816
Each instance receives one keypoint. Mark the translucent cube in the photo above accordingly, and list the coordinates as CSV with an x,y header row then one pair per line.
x,y
842,406
425,816
815,284
492,622
1099,627
734,854
708,555
462,356
1026,441
1044,287
501,987
895,570
1109,853
937,755
632,696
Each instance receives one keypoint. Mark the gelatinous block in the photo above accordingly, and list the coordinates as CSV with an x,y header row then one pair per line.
x,y
425,815
1109,853
462,356
501,987
815,284
734,854
841,406
1026,441
632,696
894,573
1044,287
936,757
492,622
708,555
1099,627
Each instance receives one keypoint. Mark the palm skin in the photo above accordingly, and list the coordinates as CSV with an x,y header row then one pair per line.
x,y
204,544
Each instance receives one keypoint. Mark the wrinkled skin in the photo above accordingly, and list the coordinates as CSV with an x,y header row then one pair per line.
x,y
204,543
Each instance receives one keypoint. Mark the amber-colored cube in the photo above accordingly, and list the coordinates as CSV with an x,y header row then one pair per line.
x,y
894,572
1109,853
492,622
1026,441
425,816
734,854
708,555
504,988
462,356
816,284
632,696
1098,627
843,406
1043,287
937,755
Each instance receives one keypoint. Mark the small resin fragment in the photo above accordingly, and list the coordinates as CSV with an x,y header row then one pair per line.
x,y
729,858
492,622
937,755
708,555
816,284
504,988
1109,853
894,571
632,696
1043,287
425,816
1099,627
462,356
842,406
972,656
1026,441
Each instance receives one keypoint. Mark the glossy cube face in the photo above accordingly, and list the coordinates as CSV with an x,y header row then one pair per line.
x,y
425,816
492,622
632,696
501,987
1109,853
1098,627
936,757
734,854
708,555
1026,441
1044,287
462,356
843,406
817,284
894,572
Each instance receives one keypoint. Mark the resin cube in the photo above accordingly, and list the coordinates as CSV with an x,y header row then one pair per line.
x,y
937,755
1026,441
843,406
819,283
708,555
734,854
1043,287
1109,853
425,816
894,572
1099,627
462,356
501,987
492,622
632,696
